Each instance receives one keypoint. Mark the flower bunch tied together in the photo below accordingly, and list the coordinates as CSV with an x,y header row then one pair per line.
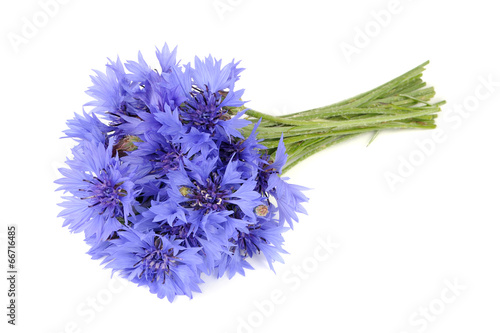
x,y
172,178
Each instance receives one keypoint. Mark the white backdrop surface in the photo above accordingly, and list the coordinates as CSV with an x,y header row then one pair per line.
x,y
420,254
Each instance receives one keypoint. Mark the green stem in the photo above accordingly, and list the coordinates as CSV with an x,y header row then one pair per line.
x,y
313,149
272,143
367,96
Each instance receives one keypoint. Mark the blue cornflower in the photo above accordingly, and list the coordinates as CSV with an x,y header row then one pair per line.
x,y
102,191
209,90
158,262
263,236
199,231
114,94
205,187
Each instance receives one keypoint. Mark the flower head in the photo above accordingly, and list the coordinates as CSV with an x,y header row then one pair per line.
x,y
210,93
156,261
102,190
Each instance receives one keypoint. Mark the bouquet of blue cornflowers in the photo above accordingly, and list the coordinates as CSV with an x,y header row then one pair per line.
x,y
172,177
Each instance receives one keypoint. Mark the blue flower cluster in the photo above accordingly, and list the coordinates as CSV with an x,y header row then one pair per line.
x,y
162,182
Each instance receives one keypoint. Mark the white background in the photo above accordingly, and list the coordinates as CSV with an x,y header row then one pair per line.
x,y
399,249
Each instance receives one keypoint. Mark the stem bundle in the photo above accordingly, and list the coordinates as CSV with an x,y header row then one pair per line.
x,y
398,104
